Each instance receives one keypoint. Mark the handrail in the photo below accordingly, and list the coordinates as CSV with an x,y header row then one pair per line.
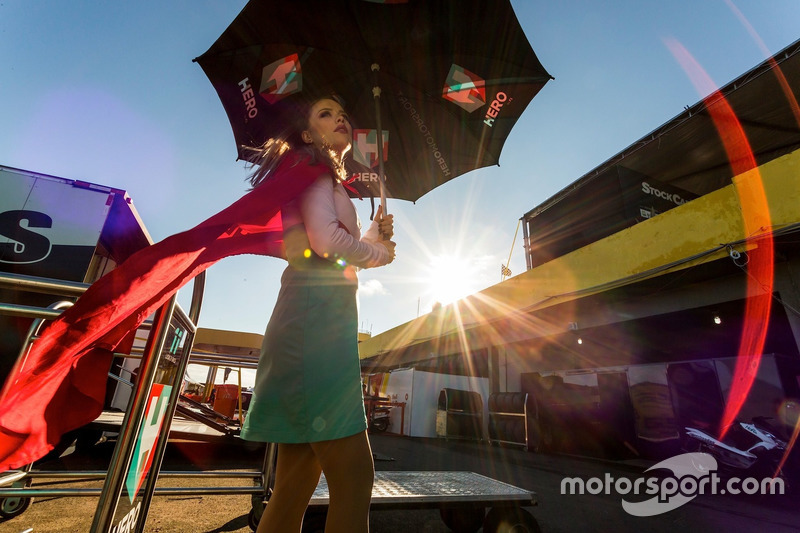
x,y
224,359
44,285
28,311
60,287
24,283
197,297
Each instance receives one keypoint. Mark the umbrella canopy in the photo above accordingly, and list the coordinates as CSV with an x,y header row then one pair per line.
x,y
453,77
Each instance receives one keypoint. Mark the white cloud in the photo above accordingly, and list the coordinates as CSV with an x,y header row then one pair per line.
x,y
371,287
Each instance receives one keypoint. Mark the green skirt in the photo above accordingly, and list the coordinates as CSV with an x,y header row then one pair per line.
x,y
308,382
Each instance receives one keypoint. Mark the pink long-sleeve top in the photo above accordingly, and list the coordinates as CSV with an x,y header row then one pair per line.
x,y
325,210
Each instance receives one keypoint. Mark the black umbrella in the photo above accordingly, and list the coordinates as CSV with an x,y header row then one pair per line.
x,y
445,81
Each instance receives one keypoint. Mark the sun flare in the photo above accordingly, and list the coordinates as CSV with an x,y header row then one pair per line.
x,y
451,278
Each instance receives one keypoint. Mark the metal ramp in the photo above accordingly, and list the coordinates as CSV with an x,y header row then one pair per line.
x,y
393,490
462,499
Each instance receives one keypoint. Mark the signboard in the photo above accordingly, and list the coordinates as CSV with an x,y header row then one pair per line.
x,y
615,200
49,227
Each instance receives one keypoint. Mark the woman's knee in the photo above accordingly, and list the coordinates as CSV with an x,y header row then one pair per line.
x,y
351,484
361,470
347,461
297,469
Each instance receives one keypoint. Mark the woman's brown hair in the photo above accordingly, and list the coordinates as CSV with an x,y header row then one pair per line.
x,y
265,158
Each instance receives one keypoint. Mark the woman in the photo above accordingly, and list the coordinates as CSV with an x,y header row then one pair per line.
x,y
308,395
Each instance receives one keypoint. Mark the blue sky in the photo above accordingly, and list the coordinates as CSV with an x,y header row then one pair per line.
x,y
106,92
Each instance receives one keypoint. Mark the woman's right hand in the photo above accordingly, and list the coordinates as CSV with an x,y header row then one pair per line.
x,y
385,223
390,245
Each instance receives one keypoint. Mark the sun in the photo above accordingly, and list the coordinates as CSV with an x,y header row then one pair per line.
x,y
450,278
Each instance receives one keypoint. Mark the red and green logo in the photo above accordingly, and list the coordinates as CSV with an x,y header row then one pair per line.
x,y
464,89
144,451
281,78
365,147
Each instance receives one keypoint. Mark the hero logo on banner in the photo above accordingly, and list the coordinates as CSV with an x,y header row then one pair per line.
x,y
148,435
465,89
365,147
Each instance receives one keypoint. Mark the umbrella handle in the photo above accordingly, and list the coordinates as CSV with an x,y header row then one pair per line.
x,y
383,196
376,93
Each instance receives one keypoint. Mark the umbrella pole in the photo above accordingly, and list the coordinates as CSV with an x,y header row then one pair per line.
x,y
376,93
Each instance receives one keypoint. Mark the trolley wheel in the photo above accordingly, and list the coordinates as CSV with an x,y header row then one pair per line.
x,y
258,504
510,520
253,518
463,519
11,507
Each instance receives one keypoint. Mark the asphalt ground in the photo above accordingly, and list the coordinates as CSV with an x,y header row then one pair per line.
x,y
539,473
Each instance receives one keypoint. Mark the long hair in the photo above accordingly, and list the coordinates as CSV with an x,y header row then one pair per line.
x,y
265,158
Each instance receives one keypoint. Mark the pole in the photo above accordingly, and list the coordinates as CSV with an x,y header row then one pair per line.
x,y
502,278
241,418
376,93
132,422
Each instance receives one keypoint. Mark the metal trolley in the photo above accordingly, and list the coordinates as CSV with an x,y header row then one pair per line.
x,y
129,486
461,497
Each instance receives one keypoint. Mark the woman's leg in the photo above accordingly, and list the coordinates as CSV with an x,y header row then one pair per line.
x,y
296,477
349,472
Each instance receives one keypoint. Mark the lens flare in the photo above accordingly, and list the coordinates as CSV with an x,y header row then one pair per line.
x,y
756,219
790,98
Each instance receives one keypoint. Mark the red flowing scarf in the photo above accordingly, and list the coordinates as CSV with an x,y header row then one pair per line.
x,y
62,385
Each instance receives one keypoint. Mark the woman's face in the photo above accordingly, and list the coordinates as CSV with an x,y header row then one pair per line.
x,y
329,127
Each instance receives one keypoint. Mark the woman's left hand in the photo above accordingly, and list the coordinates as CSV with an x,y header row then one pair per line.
x,y
385,224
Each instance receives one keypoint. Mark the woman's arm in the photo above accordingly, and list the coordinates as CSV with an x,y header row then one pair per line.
x,y
326,236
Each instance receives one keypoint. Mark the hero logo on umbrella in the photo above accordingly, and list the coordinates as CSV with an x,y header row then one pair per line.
x,y
365,152
464,89
491,113
468,91
365,147
281,78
